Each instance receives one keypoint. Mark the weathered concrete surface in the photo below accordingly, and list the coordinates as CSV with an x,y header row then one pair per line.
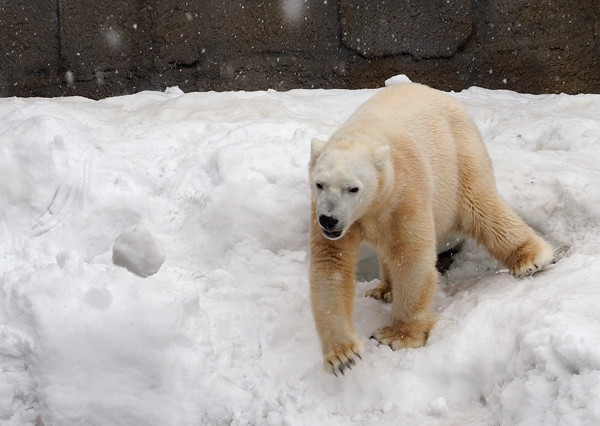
x,y
556,24
29,46
423,29
99,49
241,28
104,36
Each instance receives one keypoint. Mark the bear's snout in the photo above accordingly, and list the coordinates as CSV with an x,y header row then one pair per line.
x,y
327,222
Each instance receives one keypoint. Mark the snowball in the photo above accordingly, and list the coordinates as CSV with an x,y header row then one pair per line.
x,y
397,79
439,407
67,259
137,250
174,90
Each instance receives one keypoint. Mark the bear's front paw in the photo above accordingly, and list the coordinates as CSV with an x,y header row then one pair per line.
x,y
343,356
531,257
382,292
401,337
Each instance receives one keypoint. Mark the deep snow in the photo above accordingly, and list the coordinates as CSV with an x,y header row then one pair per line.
x,y
223,333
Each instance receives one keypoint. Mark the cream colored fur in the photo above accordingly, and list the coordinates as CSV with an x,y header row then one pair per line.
x,y
436,179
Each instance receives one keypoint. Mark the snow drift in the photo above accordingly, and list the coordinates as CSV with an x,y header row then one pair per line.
x,y
223,332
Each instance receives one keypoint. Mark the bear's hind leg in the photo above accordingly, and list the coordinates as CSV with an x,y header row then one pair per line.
x,y
383,291
493,224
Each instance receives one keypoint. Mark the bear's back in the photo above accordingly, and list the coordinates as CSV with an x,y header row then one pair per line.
x,y
438,127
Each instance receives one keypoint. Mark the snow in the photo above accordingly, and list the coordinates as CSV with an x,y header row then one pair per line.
x,y
293,10
439,407
223,332
397,79
138,250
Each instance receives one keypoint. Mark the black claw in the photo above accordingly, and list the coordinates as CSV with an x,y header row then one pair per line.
x,y
333,368
358,355
341,368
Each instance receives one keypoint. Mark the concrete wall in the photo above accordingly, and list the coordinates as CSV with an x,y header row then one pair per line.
x,y
99,48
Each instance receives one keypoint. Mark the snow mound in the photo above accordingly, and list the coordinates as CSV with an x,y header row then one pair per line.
x,y
137,250
224,333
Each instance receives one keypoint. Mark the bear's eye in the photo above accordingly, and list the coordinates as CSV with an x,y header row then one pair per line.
x,y
319,185
353,190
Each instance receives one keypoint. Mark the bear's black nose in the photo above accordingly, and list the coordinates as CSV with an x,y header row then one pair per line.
x,y
327,222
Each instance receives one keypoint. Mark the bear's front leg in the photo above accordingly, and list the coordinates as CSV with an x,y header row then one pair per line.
x,y
332,266
414,280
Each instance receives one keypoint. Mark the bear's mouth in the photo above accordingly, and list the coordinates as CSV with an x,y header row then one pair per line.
x,y
332,235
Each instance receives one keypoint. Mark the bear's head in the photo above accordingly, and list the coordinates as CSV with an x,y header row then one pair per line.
x,y
345,180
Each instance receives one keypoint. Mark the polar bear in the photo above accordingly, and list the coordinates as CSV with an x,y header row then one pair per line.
x,y
404,172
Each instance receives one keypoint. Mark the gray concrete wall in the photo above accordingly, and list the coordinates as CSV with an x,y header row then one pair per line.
x,y
99,48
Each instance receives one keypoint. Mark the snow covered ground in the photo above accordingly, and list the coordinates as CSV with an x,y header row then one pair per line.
x,y
223,333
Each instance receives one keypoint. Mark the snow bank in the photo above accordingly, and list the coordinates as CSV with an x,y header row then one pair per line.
x,y
223,332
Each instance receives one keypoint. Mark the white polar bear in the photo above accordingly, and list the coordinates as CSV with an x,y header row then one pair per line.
x,y
404,172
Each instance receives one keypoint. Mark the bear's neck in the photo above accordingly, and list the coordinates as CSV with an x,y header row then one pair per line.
x,y
386,195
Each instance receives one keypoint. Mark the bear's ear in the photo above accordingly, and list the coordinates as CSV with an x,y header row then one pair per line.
x,y
316,146
381,156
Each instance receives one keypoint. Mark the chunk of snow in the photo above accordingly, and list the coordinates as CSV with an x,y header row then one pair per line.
x,y
439,407
137,250
397,79
174,90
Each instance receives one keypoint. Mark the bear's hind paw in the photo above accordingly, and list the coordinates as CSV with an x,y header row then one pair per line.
x,y
532,257
382,293
401,339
